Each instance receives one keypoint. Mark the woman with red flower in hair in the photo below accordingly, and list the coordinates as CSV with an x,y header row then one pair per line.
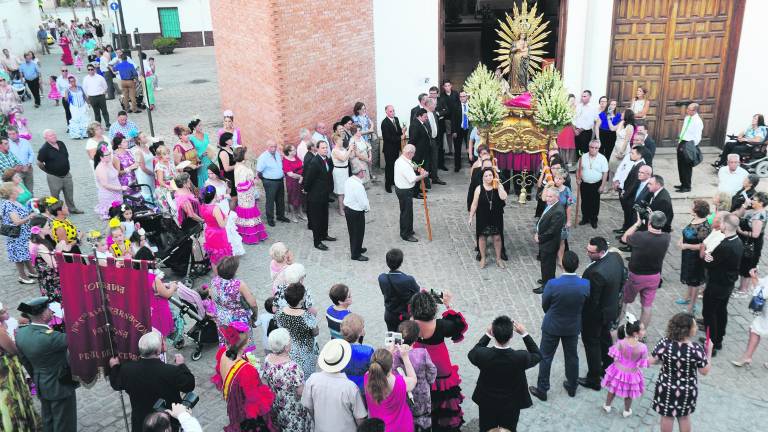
x,y
248,399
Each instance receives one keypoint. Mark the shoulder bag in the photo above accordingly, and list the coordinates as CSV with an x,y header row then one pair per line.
x,y
9,230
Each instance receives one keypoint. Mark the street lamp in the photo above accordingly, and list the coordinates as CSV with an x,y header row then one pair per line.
x,y
144,80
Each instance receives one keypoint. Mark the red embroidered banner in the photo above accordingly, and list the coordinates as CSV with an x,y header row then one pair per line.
x,y
128,304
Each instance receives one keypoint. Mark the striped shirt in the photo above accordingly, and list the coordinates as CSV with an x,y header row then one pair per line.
x,y
334,318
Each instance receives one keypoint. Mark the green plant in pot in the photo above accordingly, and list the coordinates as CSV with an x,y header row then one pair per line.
x,y
165,45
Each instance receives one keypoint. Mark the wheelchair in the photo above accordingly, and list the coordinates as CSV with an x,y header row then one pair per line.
x,y
754,156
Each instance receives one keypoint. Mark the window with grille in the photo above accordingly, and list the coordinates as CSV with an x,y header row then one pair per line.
x,y
169,22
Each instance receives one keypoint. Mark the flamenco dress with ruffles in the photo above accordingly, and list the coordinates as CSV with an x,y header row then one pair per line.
x,y
248,399
446,393
162,317
248,222
624,377
216,242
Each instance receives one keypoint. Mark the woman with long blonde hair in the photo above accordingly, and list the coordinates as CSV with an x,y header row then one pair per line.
x,y
386,392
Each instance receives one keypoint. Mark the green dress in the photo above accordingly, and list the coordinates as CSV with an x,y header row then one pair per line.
x,y
25,196
17,413
202,154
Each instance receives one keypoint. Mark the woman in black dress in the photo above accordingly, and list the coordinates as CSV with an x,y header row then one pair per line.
x,y
691,264
488,206
681,362
753,214
746,192
226,162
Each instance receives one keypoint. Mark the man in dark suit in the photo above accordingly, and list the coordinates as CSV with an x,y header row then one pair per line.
x,y
392,134
722,265
150,379
462,130
501,393
562,302
635,191
397,288
606,277
642,138
317,185
547,235
659,199
420,137
414,111
449,100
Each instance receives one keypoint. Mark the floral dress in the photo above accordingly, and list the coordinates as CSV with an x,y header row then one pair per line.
x,y
567,200
229,307
691,264
304,348
17,247
677,385
288,414
127,177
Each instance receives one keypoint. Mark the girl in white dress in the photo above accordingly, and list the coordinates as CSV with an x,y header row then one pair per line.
x,y
625,130
145,175
759,327
222,200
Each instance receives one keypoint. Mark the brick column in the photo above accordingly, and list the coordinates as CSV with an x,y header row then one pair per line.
x,y
284,65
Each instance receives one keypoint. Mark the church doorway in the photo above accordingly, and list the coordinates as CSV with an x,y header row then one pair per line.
x,y
468,33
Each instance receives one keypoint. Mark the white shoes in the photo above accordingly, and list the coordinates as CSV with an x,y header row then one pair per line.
x,y
607,409
626,414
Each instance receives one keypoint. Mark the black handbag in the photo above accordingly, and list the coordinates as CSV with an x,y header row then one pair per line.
x,y
12,231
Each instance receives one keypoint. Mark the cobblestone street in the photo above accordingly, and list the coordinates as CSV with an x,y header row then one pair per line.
x,y
729,397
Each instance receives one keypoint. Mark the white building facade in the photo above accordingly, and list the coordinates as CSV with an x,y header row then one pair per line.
x,y
189,21
19,21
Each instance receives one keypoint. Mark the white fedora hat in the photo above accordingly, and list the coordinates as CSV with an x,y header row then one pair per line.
x,y
335,355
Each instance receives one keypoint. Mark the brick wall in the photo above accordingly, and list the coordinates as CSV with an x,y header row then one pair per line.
x,y
294,63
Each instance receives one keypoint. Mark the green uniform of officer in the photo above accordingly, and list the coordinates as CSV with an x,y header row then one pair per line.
x,y
44,352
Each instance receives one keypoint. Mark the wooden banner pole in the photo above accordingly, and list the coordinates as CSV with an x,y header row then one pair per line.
x,y
426,210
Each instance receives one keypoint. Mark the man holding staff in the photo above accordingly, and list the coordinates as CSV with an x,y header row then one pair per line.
x,y
405,180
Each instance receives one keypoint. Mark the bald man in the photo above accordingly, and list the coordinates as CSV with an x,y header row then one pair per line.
x,y
691,132
53,159
392,134
405,180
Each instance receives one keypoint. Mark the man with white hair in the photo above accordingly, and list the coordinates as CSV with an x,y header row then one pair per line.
x,y
693,127
730,178
321,133
405,180
305,139
355,206
269,168
53,159
150,379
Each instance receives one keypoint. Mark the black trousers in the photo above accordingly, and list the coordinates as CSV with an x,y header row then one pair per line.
x,y
547,262
110,78
356,228
715,313
462,138
99,105
435,146
34,88
275,192
318,213
684,168
630,215
405,199
389,169
590,200
596,338
607,142
67,114
548,347
491,417
582,141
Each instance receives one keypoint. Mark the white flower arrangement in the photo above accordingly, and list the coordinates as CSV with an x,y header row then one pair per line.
x,y
551,100
485,108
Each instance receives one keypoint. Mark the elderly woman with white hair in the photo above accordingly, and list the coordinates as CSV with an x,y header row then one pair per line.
x,y
282,257
294,273
286,379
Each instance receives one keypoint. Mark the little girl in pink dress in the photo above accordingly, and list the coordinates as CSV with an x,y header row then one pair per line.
x,y
624,377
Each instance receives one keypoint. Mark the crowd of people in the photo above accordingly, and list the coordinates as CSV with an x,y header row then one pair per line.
x,y
411,382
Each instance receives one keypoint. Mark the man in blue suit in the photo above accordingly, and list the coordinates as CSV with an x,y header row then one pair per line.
x,y
562,302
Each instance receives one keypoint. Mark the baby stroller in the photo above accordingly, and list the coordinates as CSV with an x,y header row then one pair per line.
x,y
20,87
179,249
204,331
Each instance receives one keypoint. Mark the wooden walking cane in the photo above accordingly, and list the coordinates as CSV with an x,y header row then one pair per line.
x,y
426,210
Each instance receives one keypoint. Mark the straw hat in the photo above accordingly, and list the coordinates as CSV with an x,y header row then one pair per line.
x,y
335,355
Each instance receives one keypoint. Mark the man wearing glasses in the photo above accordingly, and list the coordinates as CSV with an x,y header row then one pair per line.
x,y
95,88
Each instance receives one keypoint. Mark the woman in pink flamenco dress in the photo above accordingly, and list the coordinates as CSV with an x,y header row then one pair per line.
x,y
624,377
216,242
248,222
162,318
66,56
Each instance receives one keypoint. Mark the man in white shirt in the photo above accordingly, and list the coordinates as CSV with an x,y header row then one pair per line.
x,y
405,180
433,144
730,178
584,122
692,130
321,134
95,88
590,175
355,206
62,84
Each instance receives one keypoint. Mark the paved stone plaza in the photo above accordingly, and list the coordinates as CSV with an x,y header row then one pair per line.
x,y
729,397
